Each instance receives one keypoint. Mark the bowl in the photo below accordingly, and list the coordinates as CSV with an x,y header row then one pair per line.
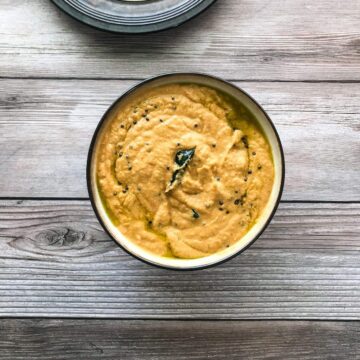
x,y
262,221
133,16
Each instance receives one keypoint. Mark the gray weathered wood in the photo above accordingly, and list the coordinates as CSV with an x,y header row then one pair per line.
x,y
160,340
247,39
55,260
46,127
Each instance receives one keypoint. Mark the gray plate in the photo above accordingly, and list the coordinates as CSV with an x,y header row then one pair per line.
x,y
133,16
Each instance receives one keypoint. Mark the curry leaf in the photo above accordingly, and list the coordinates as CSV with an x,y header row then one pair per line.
x,y
182,159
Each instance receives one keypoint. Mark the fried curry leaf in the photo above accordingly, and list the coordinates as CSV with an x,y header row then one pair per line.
x,y
182,159
176,174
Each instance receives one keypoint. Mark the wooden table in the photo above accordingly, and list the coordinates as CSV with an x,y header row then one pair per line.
x,y
68,291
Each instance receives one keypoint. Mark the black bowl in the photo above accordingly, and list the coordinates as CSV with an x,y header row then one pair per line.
x,y
253,234
133,16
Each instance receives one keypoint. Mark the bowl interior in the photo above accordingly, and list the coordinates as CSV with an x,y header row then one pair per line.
x,y
261,222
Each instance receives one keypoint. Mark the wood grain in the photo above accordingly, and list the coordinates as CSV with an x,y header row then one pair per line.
x,y
240,40
301,60
47,126
56,261
160,340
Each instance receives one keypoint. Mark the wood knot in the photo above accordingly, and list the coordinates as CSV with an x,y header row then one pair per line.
x,y
63,241
12,99
64,238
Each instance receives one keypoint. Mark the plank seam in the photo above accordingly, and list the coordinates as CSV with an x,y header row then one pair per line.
x,y
345,81
76,318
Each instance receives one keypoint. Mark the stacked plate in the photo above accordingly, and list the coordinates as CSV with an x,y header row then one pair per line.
x,y
133,16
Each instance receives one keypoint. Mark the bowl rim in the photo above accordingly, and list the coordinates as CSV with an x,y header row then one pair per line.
x,y
130,91
131,29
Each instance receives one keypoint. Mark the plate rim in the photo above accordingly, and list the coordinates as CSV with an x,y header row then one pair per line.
x,y
133,29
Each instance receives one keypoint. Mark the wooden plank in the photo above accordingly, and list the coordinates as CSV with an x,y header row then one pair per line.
x,y
160,340
47,126
250,39
55,260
